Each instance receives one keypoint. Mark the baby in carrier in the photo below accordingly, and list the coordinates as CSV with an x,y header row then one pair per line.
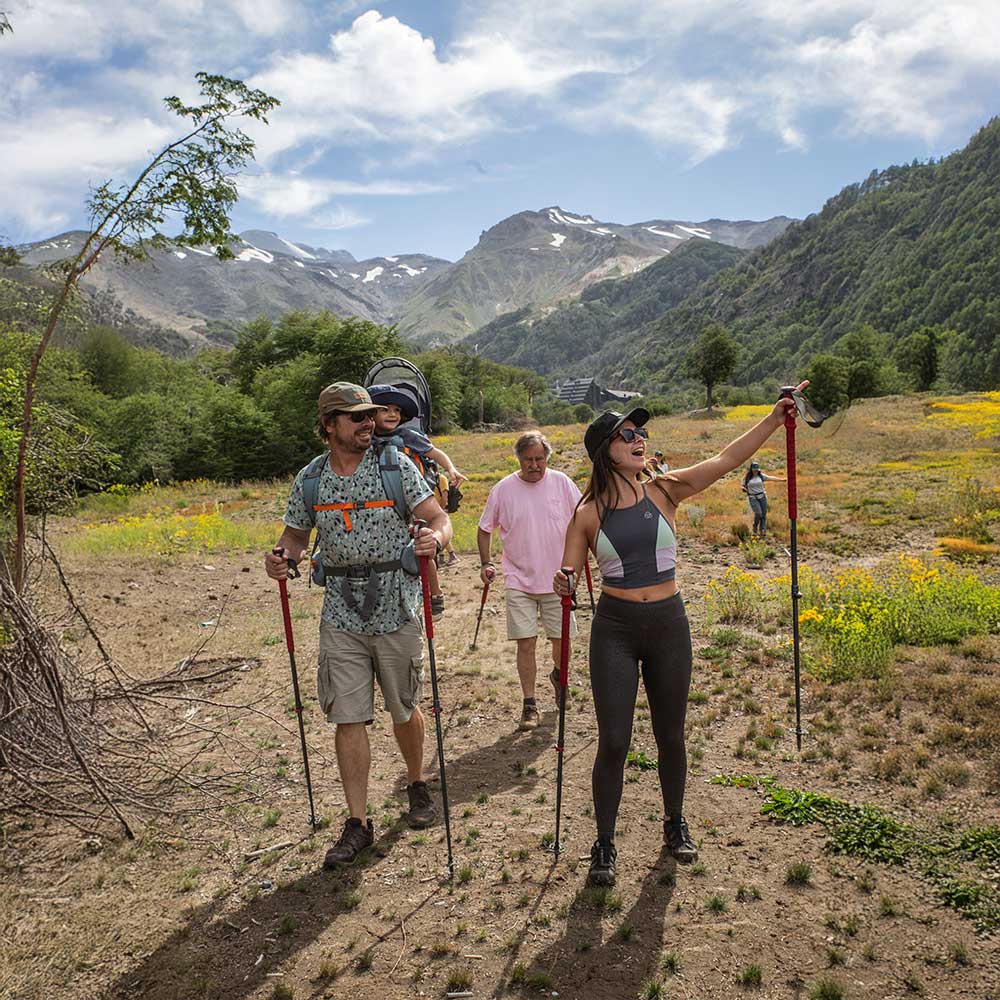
x,y
395,422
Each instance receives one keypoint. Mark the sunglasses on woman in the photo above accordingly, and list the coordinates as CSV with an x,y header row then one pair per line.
x,y
357,416
629,434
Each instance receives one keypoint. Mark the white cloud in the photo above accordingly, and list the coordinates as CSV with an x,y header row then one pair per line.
x,y
287,196
338,217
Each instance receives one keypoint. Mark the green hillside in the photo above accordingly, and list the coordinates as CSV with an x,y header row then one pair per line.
x,y
606,310
909,247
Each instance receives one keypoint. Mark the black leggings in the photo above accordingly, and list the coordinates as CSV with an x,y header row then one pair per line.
x,y
623,635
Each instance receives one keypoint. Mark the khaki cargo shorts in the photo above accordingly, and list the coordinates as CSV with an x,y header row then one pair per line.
x,y
350,663
524,610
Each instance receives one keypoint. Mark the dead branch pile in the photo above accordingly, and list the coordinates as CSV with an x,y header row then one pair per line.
x,y
89,744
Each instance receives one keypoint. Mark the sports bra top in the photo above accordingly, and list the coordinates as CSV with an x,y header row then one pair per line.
x,y
635,546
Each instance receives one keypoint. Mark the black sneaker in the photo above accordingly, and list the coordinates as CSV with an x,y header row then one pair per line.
x,y
437,606
529,716
355,838
677,837
422,812
602,864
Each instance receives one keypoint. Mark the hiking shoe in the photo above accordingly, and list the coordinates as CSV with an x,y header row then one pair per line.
x,y
437,606
422,812
355,838
677,837
453,559
602,864
556,687
529,716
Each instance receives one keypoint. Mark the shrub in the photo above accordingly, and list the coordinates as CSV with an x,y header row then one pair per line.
x,y
736,599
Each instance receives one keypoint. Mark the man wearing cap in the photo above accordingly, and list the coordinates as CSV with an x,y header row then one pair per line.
x,y
370,623
531,507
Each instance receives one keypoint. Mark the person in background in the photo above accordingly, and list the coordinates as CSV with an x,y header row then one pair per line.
x,y
531,507
753,486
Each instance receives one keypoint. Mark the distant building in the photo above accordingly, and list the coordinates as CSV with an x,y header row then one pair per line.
x,y
586,390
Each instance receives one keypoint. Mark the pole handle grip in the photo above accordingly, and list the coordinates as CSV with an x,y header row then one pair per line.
x,y
285,611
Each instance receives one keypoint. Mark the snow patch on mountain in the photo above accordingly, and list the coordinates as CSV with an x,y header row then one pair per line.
x,y
392,260
570,220
252,253
297,250
298,263
411,271
180,254
372,274
557,240
702,233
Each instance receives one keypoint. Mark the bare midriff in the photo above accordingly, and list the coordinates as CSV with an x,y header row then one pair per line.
x,y
658,592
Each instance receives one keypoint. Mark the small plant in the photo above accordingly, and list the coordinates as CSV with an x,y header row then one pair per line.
x,y
958,953
271,818
652,989
459,980
464,874
913,982
887,907
670,962
798,874
282,992
365,960
826,989
716,904
834,956
626,932
752,977
640,761
327,970
352,900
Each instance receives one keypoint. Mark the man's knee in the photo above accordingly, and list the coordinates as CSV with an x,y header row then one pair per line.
x,y
527,645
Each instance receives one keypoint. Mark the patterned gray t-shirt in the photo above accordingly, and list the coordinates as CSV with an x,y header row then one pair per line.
x,y
376,535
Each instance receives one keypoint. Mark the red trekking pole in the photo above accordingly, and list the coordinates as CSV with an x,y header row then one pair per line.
x,y
436,703
567,608
479,617
290,643
590,585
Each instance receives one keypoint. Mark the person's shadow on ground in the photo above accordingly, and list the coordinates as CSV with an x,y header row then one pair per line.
x,y
221,951
603,953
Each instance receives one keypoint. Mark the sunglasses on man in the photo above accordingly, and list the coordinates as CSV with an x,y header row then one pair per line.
x,y
357,416
629,434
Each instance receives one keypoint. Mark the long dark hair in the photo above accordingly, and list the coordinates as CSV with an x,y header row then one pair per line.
x,y
749,473
604,485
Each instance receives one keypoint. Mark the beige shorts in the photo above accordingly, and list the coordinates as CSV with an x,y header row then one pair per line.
x,y
349,664
524,610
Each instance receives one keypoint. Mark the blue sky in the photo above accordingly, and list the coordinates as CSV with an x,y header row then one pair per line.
x,y
413,126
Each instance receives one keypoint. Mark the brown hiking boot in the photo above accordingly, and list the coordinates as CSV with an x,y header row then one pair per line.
x,y
422,812
602,864
529,716
354,839
437,606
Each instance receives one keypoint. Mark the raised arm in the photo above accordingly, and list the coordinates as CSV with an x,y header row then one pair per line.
x,y
684,483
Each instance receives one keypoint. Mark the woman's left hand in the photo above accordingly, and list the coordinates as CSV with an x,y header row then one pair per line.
x,y
786,404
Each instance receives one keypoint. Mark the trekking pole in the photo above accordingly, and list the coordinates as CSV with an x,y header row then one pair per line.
x,y
788,392
567,608
479,617
590,585
290,643
436,703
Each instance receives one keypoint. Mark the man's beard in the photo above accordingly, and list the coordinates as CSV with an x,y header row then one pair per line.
x,y
349,442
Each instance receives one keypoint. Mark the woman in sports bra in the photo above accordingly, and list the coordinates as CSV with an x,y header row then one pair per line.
x,y
627,521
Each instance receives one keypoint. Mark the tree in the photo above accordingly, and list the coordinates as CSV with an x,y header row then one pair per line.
x,y
827,376
916,355
9,257
191,177
712,359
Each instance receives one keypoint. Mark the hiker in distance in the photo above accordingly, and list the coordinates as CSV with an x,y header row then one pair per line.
x,y
531,508
640,624
399,406
370,623
753,486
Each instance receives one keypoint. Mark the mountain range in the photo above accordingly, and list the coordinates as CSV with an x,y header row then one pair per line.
x,y
529,258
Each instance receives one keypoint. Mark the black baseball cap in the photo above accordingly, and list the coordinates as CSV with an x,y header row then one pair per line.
x,y
606,426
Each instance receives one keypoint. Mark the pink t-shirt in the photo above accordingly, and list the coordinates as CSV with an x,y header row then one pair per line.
x,y
532,518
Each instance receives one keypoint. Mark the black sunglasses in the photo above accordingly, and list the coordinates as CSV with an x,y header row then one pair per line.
x,y
629,434
357,416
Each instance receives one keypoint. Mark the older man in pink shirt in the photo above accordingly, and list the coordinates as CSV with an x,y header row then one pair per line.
x,y
532,508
